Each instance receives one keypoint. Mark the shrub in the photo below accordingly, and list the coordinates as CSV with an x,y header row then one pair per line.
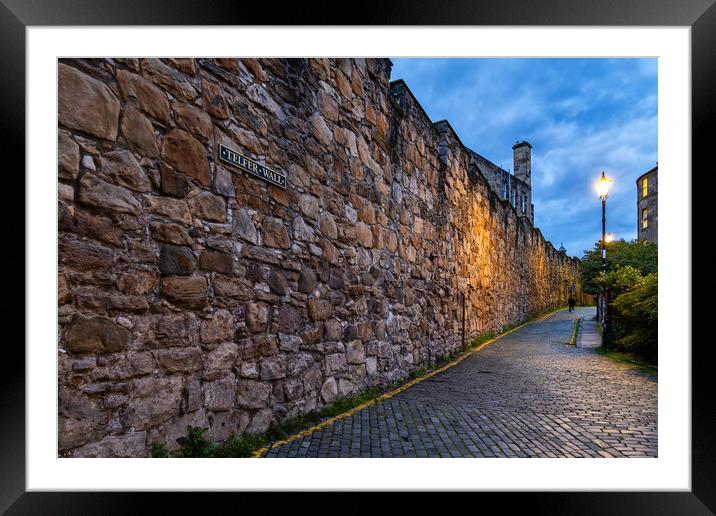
x,y
619,280
641,255
243,446
635,312
194,444
159,451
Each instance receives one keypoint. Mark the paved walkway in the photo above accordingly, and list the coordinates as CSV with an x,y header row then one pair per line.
x,y
528,394
589,336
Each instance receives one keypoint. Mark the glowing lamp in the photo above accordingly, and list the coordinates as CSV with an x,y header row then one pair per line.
x,y
603,186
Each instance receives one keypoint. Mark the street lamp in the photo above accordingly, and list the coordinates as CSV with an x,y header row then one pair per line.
x,y
610,237
603,186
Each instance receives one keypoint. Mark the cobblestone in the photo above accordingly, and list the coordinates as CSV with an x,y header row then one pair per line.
x,y
528,394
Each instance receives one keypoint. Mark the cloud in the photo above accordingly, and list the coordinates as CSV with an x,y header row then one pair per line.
x,y
582,116
648,67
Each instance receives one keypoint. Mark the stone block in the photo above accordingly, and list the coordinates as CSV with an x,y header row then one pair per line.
x,y
99,194
225,424
174,209
173,183
307,282
332,330
243,226
175,260
143,94
308,204
179,360
170,330
223,357
186,154
137,282
219,328
223,183
170,78
153,401
320,130
277,282
252,394
319,309
84,255
193,119
68,156
170,233
131,444
272,368
335,363
329,390
260,421
188,292
207,206
213,100
355,353
95,335
328,226
138,130
289,343
302,231
275,233
219,396
86,104
216,261
99,300
364,235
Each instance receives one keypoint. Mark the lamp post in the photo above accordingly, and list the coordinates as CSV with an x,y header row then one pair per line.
x,y
603,186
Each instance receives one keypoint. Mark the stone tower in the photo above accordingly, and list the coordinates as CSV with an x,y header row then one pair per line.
x,y
522,152
647,186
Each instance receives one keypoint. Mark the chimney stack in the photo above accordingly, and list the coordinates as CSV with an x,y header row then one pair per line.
x,y
523,161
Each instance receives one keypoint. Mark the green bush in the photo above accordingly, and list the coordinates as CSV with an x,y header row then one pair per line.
x,y
641,255
194,444
159,451
630,282
243,446
619,280
635,317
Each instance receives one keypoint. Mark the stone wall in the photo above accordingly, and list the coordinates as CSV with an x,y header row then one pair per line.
x,y
191,292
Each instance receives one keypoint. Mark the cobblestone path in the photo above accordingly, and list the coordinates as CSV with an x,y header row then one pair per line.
x,y
528,394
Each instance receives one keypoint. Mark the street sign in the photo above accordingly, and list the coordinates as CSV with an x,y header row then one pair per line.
x,y
248,165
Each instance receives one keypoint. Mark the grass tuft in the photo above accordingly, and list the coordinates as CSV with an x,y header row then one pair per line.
x,y
575,332
628,359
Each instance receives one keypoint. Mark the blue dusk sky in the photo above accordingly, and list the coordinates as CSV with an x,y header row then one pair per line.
x,y
581,116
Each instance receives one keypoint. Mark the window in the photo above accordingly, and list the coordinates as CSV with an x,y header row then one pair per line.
x,y
644,186
644,218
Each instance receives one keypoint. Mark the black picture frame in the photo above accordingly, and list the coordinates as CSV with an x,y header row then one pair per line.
x,y
699,15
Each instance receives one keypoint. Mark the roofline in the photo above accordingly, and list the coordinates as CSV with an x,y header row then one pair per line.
x,y
647,172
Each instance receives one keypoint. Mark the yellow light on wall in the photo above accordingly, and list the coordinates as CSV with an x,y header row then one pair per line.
x,y
603,186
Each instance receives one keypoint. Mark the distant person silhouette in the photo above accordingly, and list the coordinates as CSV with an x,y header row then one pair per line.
x,y
571,303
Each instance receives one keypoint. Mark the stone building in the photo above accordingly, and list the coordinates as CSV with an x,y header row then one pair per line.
x,y
242,241
647,190
514,188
